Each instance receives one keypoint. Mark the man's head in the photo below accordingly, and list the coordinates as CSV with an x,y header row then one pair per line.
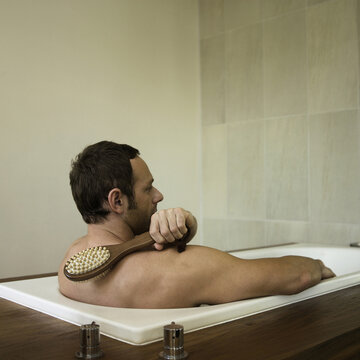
x,y
106,172
95,171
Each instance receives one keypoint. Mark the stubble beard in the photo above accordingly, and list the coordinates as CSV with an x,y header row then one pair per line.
x,y
138,221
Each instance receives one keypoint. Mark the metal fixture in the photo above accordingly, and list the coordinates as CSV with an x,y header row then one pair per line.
x,y
89,342
173,343
355,244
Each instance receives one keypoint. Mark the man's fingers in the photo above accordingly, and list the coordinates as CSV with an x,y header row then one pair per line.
x,y
172,223
158,246
165,226
180,222
327,273
155,230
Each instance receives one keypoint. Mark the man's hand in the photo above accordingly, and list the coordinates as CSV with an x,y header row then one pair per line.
x,y
326,272
169,225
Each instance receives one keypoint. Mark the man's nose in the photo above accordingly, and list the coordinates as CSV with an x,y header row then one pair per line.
x,y
158,196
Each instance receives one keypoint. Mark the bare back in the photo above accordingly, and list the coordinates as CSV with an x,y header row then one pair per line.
x,y
146,279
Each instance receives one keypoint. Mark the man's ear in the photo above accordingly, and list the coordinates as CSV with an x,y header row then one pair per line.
x,y
116,200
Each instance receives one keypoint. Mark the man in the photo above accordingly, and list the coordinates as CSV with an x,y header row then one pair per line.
x,y
112,188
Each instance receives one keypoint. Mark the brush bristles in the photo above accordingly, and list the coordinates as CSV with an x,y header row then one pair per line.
x,y
87,260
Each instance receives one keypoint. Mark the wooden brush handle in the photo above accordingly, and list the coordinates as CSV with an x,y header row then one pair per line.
x,y
142,241
139,242
119,251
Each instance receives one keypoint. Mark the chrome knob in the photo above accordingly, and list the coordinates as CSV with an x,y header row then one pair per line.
x,y
173,343
89,342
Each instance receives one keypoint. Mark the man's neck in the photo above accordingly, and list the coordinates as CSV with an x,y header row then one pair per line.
x,y
114,231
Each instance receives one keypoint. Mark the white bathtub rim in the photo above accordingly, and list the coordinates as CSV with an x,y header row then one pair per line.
x,y
54,304
188,317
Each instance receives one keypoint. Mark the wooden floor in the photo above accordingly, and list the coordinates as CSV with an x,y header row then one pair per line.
x,y
326,327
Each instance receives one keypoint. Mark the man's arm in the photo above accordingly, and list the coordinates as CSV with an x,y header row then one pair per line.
x,y
231,278
211,276
202,275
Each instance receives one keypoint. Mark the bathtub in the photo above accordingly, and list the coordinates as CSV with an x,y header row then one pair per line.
x,y
143,326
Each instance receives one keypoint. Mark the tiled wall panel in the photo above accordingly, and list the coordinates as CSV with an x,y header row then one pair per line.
x,y
239,13
285,65
211,13
246,170
281,232
245,233
286,163
244,74
332,49
335,167
214,167
281,80
213,79
333,233
274,8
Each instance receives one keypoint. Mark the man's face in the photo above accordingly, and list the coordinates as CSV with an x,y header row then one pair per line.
x,y
146,198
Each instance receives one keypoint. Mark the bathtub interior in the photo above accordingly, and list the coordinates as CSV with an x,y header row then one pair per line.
x,y
142,326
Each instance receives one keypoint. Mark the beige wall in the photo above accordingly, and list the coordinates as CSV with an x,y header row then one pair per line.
x,y
77,72
280,121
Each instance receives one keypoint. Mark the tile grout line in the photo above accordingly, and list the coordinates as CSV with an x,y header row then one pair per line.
x,y
227,44
283,221
200,146
266,228
289,116
308,126
261,21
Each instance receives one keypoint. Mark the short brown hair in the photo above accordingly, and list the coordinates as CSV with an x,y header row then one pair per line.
x,y
95,171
